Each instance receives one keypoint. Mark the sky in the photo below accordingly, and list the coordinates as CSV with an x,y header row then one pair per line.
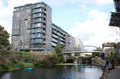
x,y
84,19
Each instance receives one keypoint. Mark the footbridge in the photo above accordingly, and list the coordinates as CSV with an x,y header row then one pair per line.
x,y
76,54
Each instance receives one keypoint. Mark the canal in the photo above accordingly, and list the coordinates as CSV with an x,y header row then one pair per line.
x,y
59,72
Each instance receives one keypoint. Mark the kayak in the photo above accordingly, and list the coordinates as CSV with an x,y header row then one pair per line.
x,y
29,69
82,66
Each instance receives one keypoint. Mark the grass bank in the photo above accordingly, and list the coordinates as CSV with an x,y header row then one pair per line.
x,y
14,66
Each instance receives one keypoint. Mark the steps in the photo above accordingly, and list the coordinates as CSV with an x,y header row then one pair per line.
x,y
99,61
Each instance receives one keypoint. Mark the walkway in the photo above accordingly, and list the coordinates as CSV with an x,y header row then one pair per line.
x,y
114,74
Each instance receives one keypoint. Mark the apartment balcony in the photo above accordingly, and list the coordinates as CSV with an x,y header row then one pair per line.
x,y
39,10
117,5
62,43
54,32
37,46
61,39
37,16
36,30
115,19
37,41
55,36
43,37
40,5
54,40
43,31
37,20
44,26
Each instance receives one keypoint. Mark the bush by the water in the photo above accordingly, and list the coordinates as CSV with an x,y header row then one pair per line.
x,y
15,66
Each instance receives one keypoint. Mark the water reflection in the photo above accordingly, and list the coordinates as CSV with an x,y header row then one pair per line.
x,y
6,76
59,72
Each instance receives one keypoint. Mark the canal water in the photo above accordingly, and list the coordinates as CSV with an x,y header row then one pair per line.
x,y
59,72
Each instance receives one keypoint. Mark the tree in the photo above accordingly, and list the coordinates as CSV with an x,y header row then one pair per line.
x,y
98,49
94,54
112,43
58,50
4,39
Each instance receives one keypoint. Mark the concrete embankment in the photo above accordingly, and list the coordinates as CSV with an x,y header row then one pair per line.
x,y
111,74
105,74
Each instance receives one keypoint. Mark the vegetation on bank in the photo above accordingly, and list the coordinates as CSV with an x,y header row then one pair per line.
x,y
11,60
4,39
14,60
15,66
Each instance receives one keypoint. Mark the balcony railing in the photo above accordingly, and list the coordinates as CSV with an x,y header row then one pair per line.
x,y
115,19
117,5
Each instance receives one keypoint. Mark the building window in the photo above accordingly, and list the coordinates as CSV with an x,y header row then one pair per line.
x,y
26,22
37,15
36,30
17,14
28,31
54,40
16,31
16,43
37,40
13,37
37,20
35,46
37,35
37,25
54,44
37,10
38,5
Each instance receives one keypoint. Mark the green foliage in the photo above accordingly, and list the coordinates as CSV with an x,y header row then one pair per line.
x,y
55,59
4,39
98,54
94,54
112,44
26,64
114,57
98,49
15,66
58,51
25,54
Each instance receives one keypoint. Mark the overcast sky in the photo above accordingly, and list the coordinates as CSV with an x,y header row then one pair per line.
x,y
84,19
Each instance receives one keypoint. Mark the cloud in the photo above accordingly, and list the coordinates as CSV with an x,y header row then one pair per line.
x,y
14,3
95,14
95,29
97,2
1,4
62,2
6,16
7,11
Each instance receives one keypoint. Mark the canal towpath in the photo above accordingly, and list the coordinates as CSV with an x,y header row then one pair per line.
x,y
114,74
